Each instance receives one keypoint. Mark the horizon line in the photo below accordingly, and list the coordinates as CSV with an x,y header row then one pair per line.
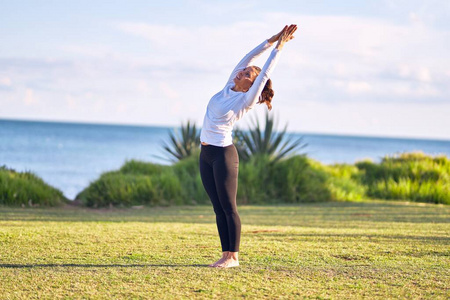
x,y
352,135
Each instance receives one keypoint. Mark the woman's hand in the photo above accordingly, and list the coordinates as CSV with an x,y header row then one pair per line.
x,y
277,36
286,35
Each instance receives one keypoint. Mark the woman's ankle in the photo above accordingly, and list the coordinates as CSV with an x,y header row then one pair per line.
x,y
233,255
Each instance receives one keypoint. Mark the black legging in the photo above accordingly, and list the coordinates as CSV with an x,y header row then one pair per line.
x,y
219,168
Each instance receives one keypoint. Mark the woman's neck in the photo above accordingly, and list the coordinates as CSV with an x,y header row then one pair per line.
x,y
238,88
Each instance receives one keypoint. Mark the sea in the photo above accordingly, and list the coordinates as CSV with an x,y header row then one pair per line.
x,y
69,156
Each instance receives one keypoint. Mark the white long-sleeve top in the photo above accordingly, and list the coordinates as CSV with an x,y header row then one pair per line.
x,y
227,106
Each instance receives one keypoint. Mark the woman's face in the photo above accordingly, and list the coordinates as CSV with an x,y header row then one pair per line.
x,y
244,79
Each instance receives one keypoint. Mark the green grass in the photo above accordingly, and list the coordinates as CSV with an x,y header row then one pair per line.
x,y
334,250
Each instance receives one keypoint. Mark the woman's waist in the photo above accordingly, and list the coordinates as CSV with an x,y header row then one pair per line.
x,y
205,144
216,138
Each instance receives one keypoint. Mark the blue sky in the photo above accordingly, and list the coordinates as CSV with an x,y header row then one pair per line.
x,y
377,68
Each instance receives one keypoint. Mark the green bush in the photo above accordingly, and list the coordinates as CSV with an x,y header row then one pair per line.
x,y
343,181
255,185
137,167
25,188
408,176
114,188
298,181
288,181
168,188
187,172
141,183
414,177
132,189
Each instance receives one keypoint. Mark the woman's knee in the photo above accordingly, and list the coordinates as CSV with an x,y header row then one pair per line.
x,y
231,211
218,210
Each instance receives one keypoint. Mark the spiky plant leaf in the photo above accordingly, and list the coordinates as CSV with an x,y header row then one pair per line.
x,y
182,142
258,140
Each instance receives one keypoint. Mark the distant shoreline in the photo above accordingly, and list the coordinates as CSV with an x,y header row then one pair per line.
x,y
169,127
70,155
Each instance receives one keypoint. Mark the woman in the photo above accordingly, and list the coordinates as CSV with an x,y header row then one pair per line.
x,y
219,161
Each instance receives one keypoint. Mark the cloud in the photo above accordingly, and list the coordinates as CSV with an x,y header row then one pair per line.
x,y
417,74
98,51
192,47
122,108
424,91
351,55
71,102
167,91
385,62
427,120
5,82
353,87
333,60
162,35
431,13
29,98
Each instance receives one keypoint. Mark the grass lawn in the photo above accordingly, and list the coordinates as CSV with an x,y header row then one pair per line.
x,y
375,250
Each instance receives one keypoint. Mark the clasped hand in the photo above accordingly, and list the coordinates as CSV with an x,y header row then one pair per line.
x,y
284,36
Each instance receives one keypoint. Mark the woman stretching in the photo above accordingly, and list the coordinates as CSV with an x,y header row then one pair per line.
x,y
219,161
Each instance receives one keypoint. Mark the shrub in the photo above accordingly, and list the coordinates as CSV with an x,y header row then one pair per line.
x,y
255,184
409,176
168,188
114,188
138,183
25,188
304,182
138,167
261,180
132,189
187,171
343,181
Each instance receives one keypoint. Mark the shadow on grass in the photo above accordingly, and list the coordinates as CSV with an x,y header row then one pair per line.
x,y
29,266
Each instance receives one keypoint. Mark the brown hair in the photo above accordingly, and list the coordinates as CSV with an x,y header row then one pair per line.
x,y
267,93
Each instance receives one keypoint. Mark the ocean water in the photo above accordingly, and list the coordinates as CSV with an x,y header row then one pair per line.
x,y
69,156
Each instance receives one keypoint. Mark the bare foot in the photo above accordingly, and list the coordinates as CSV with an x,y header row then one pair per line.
x,y
218,262
228,263
224,257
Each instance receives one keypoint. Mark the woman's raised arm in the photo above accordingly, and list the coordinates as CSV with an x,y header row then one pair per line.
x,y
255,90
249,58
252,55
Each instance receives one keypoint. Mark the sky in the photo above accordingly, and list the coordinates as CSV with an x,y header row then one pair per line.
x,y
372,68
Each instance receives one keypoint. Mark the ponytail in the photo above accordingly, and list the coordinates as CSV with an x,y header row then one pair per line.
x,y
267,95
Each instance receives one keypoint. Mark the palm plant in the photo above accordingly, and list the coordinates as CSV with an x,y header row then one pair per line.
x,y
182,145
256,141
